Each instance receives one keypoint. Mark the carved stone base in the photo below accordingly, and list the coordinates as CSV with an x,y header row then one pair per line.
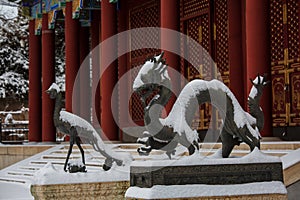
x,y
148,176
105,190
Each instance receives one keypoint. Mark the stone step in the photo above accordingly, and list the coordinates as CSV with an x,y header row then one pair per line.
x,y
62,162
30,168
18,177
291,166
23,170
14,180
16,173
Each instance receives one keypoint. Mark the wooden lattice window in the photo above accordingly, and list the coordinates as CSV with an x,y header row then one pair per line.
x,y
145,15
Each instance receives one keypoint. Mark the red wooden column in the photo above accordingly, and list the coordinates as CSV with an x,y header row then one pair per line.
x,y
35,85
110,75
95,38
235,49
85,111
122,69
72,57
257,52
48,77
169,18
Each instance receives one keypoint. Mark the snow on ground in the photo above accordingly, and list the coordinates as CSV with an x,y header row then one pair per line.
x,y
182,191
290,159
20,191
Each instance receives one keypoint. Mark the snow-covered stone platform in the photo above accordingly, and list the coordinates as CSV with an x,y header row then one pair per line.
x,y
16,180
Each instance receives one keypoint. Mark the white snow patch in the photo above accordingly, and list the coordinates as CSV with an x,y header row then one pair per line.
x,y
145,72
9,12
9,119
290,159
75,121
49,175
256,156
15,191
253,91
201,190
54,86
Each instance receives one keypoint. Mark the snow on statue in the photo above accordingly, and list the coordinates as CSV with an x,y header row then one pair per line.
x,y
165,134
78,128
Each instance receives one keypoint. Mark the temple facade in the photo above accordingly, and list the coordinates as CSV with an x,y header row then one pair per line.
x,y
243,38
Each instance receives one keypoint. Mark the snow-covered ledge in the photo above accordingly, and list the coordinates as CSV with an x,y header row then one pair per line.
x,y
52,183
264,190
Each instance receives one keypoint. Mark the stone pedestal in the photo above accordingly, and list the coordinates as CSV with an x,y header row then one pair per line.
x,y
255,176
105,190
51,182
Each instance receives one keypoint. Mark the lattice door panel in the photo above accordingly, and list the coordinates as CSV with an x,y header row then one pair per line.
x,y
279,98
294,100
221,40
198,29
285,52
195,22
146,15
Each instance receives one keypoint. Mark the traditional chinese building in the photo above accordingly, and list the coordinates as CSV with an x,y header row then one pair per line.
x,y
243,38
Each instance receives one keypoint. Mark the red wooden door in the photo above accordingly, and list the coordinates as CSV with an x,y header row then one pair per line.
x,y
285,62
206,22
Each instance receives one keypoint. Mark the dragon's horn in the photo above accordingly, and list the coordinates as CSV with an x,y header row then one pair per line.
x,y
258,79
160,57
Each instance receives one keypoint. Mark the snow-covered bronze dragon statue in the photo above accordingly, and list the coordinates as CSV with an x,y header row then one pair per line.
x,y
165,134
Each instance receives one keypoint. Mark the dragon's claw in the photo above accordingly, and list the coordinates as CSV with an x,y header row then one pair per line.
x,y
144,151
169,153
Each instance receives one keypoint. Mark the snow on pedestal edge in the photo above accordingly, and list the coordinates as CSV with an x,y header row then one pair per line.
x,y
201,190
49,175
256,156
